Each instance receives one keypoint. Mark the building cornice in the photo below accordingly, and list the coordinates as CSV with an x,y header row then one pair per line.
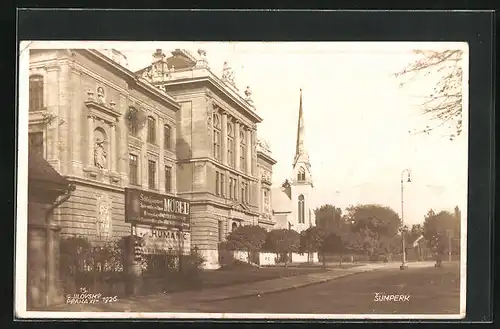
x,y
266,157
214,81
133,79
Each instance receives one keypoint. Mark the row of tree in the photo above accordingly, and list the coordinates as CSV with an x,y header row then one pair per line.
x,y
371,230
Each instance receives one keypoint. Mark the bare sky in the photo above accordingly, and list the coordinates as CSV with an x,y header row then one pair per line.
x,y
357,118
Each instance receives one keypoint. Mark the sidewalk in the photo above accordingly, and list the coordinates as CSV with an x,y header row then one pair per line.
x,y
175,302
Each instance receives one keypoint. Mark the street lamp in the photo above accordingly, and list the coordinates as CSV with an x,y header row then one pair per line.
x,y
408,180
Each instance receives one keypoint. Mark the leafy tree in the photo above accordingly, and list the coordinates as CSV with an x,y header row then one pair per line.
x,y
332,243
329,218
371,224
444,102
282,241
311,240
365,240
250,238
438,230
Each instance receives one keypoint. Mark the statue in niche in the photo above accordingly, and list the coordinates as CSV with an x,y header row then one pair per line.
x,y
100,154
100,95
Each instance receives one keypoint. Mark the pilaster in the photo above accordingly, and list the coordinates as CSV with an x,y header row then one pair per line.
x,y
224,137
237,145
76,123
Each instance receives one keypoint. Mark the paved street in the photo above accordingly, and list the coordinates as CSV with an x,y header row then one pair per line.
x,y
431,290
350,291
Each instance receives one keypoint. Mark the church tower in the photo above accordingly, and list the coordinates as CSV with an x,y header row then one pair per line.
x,y
301,182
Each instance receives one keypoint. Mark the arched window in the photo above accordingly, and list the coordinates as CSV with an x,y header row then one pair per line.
x,y
36,93
230,144
301,175
301,209
234,226
217,137
243,150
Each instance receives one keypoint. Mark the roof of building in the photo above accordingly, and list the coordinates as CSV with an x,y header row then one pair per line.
x,y
39,169
280,200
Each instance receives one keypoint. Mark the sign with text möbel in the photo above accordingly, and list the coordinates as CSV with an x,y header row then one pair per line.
x,y
147,208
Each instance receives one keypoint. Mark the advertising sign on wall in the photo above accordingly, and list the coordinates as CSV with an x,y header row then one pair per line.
x,y
158,239
153,209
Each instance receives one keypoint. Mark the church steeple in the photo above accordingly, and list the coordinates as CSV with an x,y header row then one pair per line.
x,y
301,154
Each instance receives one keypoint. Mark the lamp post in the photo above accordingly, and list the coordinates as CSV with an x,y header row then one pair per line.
x,y
408,180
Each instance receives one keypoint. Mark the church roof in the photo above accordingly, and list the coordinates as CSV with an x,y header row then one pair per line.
x,y
280,201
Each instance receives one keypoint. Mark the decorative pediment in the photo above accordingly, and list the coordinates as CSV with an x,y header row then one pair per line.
x,y
238,211
99,108
101,111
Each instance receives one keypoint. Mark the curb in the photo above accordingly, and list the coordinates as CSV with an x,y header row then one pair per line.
x,y
282,289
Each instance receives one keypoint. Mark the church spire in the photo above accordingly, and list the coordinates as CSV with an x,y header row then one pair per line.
x,y
300,150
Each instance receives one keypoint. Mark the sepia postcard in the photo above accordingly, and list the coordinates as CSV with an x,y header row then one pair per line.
x,y
248,180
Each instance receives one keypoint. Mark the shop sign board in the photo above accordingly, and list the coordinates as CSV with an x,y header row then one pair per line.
x,y
158,210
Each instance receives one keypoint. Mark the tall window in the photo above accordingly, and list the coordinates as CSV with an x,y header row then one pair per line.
x,y
235,186
152,174
217,186
301,175
301,209
133,167
168,179
167,144
243,149
35,142
151,130
242,195
217,137
230,144
222,185
247,193
231,188
36,93
133,124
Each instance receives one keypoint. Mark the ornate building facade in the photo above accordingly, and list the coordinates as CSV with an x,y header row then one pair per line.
x,y
103,129
219,164
173,128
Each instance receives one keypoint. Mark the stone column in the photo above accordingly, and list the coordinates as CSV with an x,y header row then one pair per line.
x,y
77,120
123,156
249,152
259,195
254,151
143,160
161,160
52,102
173,137
237,145
224,137
66,136
112,147
90,137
